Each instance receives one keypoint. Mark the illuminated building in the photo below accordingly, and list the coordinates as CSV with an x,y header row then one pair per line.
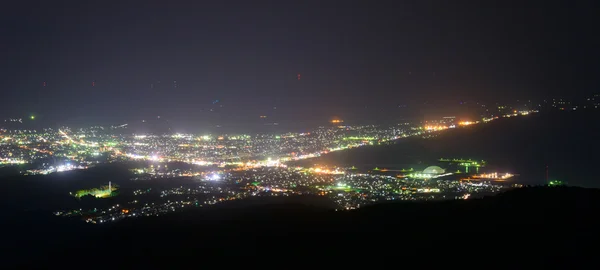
x,y
433,170
102,192
428,173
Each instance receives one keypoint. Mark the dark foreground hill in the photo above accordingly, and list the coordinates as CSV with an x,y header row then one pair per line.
x,y
544,225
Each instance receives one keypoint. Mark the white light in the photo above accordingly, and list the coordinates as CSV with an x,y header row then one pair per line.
x,y
214,177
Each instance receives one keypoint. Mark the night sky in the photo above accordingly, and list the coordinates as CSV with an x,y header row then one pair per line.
x,y
244,56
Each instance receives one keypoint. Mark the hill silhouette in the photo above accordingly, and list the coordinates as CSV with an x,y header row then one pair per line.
x,y
535,223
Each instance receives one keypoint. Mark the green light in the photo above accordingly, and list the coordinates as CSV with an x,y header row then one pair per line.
x,y
555,183
32,117
102,192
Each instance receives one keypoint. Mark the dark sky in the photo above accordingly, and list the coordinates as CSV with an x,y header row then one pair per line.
x,y
352,56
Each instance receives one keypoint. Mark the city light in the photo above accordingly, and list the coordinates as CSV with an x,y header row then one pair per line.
x,y
435,128
494,175
223,167
213,177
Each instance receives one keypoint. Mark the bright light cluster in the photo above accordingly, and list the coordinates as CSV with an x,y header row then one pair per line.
x,y
495,175
325,171
60,168
435,128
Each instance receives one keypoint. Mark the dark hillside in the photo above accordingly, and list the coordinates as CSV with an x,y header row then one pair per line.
x,y
523,224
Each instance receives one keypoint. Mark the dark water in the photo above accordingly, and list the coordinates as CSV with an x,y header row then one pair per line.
x,y
566,142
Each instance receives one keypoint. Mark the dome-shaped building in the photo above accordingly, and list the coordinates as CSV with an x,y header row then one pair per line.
x,y
433,170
